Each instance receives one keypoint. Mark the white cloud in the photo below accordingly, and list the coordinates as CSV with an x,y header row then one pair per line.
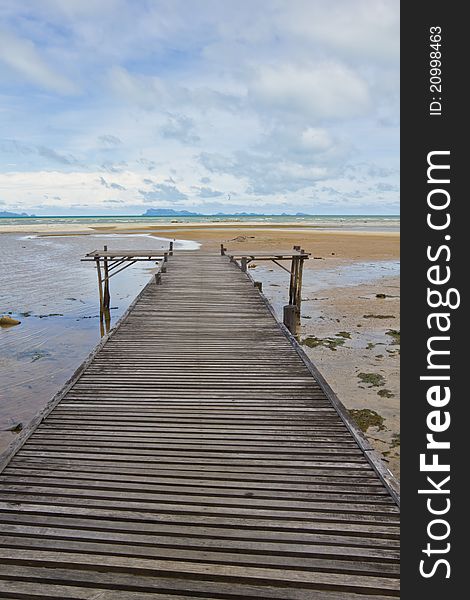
x,y
324,90
364,29
315,139
22,57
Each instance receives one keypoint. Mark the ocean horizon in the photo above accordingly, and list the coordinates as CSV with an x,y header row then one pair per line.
x,y
352,222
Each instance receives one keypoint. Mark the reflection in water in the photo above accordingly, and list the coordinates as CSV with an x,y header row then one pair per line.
x,y
105,321
55,297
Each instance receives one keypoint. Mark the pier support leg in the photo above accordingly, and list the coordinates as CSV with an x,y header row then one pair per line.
x,y
292,310
100,290
298,294
243,264
289,319
106,296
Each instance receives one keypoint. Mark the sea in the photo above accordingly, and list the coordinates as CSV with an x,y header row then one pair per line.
x,y
350,222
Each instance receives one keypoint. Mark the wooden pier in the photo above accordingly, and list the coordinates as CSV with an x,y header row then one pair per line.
x,y
197,453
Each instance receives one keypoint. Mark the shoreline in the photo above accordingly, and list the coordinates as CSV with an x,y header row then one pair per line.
x,y
90,229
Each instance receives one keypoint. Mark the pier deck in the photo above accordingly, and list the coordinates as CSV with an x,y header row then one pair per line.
x,y
196,456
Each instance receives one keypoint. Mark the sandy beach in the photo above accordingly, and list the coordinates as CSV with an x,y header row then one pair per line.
x,y
350,331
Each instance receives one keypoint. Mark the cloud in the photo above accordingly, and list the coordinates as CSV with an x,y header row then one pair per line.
x,y
150,165
116,167
111,186
55,156
146,92
264,174
206,192
366,30
163,192
385,187
22,57
181,128
109,140
323,90
11,147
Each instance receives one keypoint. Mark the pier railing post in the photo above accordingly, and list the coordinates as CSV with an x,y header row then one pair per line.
x,y
171,249
222,250
243,263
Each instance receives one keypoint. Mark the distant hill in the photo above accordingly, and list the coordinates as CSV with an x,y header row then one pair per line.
x,y
169,212
6,214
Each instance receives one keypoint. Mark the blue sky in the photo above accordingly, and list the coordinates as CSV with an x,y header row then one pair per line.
x,y
119,106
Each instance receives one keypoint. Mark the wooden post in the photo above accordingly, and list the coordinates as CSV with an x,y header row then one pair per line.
x,y
222,250
171,249
243,263
158,278
100,289
106,297
258,285
165,258
100,282
293,269
289,318
298,298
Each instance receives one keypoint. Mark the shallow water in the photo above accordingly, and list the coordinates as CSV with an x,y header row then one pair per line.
x,y
44,285
316,282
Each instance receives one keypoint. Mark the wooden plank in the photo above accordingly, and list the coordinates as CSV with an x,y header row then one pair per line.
x,y
196,454
146,565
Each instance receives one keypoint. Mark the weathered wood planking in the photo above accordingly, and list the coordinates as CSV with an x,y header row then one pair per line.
x,y
195,456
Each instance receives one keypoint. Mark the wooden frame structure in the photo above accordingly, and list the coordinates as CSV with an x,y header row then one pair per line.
x,y
297,256
111,262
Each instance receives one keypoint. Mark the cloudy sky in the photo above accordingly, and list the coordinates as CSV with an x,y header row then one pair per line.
x,y
270,106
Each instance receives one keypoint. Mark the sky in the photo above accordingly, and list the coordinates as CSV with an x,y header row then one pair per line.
x,y
270,106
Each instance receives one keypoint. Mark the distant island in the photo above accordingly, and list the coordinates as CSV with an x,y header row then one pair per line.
x,y
6,214
169,212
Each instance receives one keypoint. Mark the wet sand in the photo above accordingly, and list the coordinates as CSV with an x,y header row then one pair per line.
x,y
345,328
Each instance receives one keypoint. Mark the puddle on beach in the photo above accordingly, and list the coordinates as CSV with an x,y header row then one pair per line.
x,y
317,281
44,285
